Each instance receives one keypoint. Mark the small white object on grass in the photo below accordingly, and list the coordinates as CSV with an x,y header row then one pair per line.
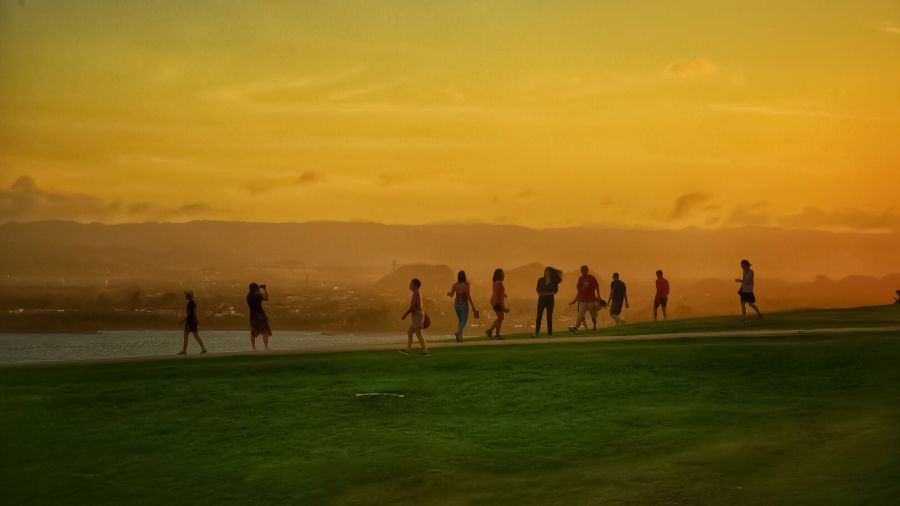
x,y
379,394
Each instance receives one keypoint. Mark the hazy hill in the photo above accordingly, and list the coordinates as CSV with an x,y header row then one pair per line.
x,y
363,252
436,280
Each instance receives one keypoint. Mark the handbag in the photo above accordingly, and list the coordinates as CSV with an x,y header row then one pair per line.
x,y
426,322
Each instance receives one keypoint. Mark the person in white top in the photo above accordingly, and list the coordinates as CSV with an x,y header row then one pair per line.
x,y
746,291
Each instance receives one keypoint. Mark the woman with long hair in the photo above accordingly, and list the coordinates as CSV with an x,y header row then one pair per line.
x,y
461,291
259,321
547,287
498,303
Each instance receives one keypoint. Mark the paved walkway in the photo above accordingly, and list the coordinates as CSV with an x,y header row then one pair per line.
x,y
449,343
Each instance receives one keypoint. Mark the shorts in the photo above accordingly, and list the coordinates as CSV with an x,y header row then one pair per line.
x,y
660,301
259,325
500,310
747,297
615,307
584,307
190,326
417,321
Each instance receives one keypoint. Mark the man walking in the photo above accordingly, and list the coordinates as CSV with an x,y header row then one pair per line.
x,y
662,295
587,297
617,296
746,291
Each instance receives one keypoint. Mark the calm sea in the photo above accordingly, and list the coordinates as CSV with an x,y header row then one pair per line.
x,y
35,348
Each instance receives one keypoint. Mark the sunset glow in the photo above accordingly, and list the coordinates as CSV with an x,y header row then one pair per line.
x,y
544,114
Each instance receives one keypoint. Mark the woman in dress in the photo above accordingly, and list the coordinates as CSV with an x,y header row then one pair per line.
x,y
417,322
498,303
191,323
259,321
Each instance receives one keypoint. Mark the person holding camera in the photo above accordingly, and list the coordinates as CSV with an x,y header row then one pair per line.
x,y
259,321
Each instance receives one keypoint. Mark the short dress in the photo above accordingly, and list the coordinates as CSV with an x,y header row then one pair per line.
x,y
191,324
418,314
259,320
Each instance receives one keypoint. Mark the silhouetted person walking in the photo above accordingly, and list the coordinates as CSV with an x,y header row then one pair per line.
x,y
417,322
191,323
898,298
547,287
587,297
498,304
259,321
617,296
662,295
461,291
746,291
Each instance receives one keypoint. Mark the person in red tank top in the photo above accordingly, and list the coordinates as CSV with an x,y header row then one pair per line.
x,y
662,295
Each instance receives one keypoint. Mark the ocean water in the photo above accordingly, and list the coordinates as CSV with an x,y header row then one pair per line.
x,y
37,348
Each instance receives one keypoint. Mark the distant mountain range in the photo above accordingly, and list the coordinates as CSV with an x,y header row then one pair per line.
x,y
361,253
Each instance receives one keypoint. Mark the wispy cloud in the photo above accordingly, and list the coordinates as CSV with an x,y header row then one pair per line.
x,y
248,91
775,110
749,215
690,69
266,185
366,91
25,200
890,27
844,219
688,204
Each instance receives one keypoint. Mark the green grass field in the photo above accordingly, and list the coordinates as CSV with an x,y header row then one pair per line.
x,y
857,317
745,420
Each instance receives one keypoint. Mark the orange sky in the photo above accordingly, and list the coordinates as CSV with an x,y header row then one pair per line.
x,y
663,114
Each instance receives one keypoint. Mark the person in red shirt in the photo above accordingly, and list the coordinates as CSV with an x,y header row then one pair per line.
x,y
662,295
587,297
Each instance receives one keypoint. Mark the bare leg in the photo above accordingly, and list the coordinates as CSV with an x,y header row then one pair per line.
x,y
665,316
266,341
495,328
743,311
655,309
421,341
253,341
758,313
499,324
197,337
594,320
184,348
409,334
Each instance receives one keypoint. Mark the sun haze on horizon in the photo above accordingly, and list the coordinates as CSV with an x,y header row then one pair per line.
x,y
702,113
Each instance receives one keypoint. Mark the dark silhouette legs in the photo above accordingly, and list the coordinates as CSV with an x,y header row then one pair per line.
x,y
544,304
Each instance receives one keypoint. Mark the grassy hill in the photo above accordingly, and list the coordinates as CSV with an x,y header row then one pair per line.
x,y
855,317
757,420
